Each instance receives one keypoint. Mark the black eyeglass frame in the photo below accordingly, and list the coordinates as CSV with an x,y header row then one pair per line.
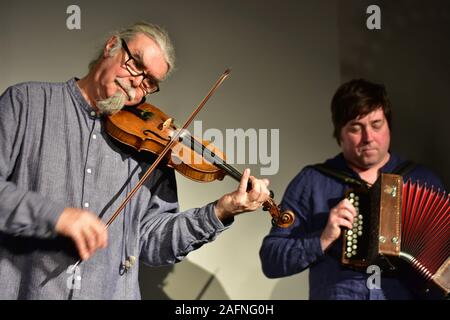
x,y
136,73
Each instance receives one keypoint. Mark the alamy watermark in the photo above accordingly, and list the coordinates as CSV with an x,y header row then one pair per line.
x,y
251,146
374,280
373,22
73,21
74,279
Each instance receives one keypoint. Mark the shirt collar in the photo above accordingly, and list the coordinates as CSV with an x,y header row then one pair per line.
x,y
76,92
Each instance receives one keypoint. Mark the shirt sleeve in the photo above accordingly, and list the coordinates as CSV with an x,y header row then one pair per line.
x,y
22,212
423,175
287,251
168,235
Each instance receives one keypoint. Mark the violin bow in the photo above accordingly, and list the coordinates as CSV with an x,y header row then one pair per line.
x,y
163,153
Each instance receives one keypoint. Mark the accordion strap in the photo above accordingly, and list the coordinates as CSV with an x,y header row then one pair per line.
x,y
402,169
340,175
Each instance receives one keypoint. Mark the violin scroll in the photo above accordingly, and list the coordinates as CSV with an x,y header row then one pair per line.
x,y
282,219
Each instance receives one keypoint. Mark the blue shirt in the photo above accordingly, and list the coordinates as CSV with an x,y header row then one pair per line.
x,y
287,251
55,153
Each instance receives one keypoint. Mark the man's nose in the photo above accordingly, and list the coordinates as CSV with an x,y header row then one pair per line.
x,y
136,81
367,135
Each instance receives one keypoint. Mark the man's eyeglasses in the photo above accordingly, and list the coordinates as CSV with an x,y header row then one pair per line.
x,y
149,84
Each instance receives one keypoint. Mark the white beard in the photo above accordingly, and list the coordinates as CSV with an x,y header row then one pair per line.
x,y
116,102
112,104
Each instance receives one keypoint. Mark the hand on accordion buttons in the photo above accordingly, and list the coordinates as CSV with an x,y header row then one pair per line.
x,y
341,216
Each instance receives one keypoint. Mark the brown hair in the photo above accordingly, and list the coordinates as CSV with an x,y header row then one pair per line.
x,y
356,98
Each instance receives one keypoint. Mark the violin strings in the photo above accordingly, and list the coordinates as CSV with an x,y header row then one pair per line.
x,y
192,143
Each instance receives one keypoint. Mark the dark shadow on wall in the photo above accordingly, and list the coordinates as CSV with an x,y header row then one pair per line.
x,y
152,281
191,281
291,288
409,54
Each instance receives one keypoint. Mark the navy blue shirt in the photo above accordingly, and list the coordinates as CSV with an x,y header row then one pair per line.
x,y
287,251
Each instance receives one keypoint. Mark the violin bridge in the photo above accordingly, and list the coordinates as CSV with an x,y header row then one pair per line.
x,y
165,124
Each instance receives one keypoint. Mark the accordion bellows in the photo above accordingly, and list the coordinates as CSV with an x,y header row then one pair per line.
x,y
403,224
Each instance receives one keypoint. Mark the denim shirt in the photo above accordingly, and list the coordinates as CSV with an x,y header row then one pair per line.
x,y
55,153
287,251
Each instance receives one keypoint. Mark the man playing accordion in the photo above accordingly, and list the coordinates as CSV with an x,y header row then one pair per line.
x,y
361,114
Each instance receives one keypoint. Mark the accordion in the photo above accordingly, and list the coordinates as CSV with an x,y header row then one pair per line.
x,y
404,228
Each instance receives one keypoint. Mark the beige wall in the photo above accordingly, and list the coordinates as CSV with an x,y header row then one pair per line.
x,y
286,59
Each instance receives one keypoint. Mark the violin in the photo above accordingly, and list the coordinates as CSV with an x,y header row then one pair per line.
x,y
147,128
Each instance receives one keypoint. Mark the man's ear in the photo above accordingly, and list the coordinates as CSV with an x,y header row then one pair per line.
x,y
110,44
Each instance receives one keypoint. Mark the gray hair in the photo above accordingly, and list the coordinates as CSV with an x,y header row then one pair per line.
x,y
154,32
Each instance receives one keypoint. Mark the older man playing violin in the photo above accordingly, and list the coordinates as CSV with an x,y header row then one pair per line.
x,y
62,177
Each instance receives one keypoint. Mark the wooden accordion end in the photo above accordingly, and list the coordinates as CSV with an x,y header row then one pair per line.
x,y
402,227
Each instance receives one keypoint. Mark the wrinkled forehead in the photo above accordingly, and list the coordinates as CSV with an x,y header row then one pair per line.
x,y
148,55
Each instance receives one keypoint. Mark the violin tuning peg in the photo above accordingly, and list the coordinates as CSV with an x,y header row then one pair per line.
x,y
271,194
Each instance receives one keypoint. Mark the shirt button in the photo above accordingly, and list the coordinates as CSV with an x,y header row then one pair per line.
x,y
86,204
93,113
94,136
89,170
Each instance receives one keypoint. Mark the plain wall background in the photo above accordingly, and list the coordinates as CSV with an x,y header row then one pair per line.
x,y
287,59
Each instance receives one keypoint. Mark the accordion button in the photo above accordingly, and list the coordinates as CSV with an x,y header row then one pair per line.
x,y
360,233
349,232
